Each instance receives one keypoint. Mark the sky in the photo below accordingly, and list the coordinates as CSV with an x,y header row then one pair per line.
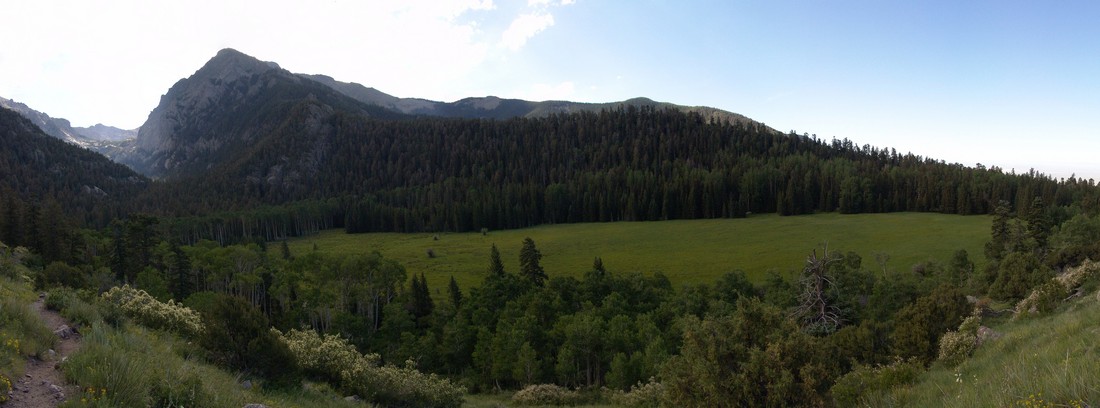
x,y
1012,84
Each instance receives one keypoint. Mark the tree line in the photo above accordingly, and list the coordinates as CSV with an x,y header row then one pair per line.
x,y
630,164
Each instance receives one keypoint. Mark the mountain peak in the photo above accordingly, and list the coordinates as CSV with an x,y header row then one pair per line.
x,y
230,64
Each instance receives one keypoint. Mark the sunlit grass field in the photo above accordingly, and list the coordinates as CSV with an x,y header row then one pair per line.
x,y
688,251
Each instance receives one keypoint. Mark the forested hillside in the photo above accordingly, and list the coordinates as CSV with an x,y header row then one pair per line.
x,y
47,186
432,174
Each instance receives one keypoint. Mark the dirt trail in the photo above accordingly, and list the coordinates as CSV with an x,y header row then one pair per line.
x,y
43,385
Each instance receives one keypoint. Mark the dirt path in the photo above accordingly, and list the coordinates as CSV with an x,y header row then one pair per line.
x,y
43,385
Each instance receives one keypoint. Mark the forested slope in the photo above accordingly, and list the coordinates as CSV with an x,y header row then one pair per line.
x,y
432,174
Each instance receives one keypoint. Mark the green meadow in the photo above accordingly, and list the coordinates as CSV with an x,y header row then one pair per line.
x,y
687,251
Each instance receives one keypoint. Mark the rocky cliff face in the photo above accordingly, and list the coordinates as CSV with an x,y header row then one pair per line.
x,y
217,114
229,78
56,127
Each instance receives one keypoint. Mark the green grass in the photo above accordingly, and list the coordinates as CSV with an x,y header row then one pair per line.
x,y
134,366
22,333
689,251
1048,361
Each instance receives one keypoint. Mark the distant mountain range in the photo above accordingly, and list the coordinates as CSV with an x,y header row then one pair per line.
x,y
234,99
62,129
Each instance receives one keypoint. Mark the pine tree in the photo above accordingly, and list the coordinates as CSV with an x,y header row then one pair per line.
x,y
455,293
529,258
1038,225
496,266
180,283
597,265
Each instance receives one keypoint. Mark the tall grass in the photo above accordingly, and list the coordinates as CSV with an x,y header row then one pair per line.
x,y
22,333
1048,361
128,365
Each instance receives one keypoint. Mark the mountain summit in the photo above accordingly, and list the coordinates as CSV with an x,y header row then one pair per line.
x,y
235,102
228,104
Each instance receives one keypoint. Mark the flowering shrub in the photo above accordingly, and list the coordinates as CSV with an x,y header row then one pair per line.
x,y
641,395
148,311
324,356
956,346
402,386
333,358
545,394
1048,296
5,388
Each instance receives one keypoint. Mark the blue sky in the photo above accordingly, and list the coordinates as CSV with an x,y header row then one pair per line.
x,y
1004,83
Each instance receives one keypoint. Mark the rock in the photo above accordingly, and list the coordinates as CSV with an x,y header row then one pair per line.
x,y
971,299
51,355
247,384
64,331
985,334
255,406
352,398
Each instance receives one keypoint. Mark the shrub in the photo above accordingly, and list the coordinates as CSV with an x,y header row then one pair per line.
x,y
956,346
333,358
641,395
5,388
862,381
324,356
238,335
545,394
58,273
393,386
150,312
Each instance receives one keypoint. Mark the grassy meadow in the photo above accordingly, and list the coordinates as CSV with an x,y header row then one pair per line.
x,y
687,251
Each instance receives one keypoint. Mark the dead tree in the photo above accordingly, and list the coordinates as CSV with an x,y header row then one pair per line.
x,y
816,311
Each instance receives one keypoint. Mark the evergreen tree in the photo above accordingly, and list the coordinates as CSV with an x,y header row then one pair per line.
x,y
454,293
1000,232
422,304
496,266
1038,225
597,265
180,283
529,257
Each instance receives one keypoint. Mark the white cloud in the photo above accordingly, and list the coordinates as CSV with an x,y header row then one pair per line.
x,y
524,27
567,2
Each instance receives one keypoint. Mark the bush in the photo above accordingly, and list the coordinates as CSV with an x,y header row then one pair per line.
x,y
956,346
150,312
237,335
545,394
5,388
863,381
333,358
324,356
61,274
641,395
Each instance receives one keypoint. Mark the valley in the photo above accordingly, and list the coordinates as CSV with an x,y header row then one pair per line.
x,y
302,241
687,251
